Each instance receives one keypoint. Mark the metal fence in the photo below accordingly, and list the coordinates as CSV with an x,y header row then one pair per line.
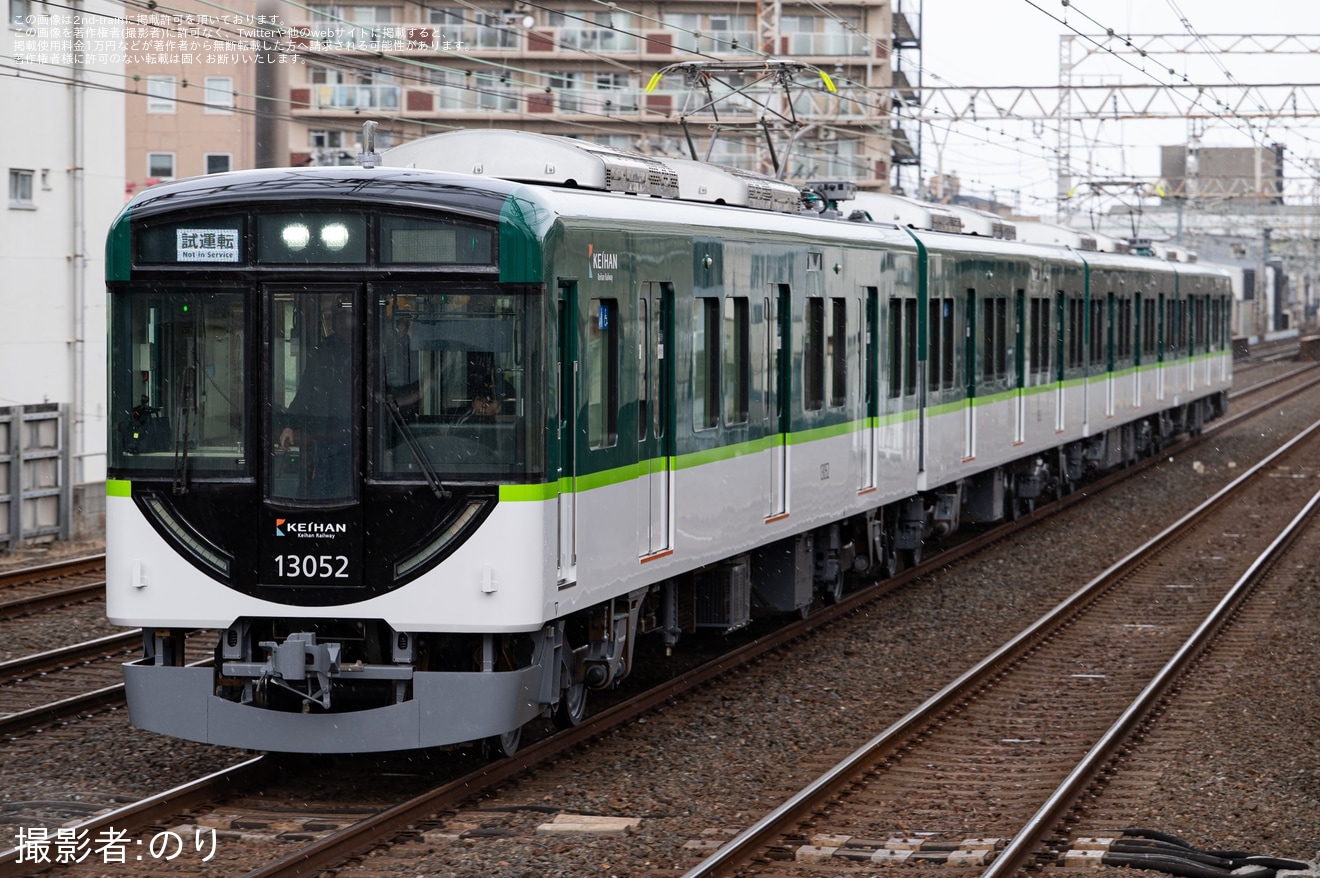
x,y
36,491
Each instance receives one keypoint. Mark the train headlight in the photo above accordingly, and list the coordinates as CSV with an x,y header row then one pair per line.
x,y
334,236
296,236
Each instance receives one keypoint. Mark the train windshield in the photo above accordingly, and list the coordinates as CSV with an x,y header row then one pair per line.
x,y
177,382
458,383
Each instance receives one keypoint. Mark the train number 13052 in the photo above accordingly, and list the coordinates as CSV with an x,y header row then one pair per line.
x,y
311,566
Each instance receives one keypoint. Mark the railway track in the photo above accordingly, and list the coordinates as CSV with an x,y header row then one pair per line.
x,y
29,590
72,681
1003,754
340,843
64,682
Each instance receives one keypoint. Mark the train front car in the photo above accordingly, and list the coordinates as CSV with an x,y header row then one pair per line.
x,y
323,382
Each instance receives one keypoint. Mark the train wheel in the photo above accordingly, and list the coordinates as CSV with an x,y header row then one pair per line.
x,y
911,557
499,746
572,706
889,563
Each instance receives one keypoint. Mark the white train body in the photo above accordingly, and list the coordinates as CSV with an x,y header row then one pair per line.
x,y
696,412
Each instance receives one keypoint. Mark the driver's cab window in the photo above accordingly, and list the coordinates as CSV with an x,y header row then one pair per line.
x,y
455,377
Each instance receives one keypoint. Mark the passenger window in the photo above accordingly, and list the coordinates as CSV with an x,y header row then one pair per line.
x,y
813,356
837,351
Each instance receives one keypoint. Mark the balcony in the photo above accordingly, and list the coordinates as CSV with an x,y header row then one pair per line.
x,y
502,39
815,45
355,97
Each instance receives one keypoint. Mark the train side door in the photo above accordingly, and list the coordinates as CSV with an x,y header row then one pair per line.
x,y
969,360
866,359
1020,366
654,434
311,535
566,377
778,320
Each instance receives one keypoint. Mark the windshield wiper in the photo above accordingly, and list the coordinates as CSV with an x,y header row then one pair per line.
x,y
418,453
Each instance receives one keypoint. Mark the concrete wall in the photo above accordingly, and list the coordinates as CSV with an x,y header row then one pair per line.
x,y
52,250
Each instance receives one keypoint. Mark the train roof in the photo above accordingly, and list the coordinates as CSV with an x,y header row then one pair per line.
x,y
537,180
301,185
489,198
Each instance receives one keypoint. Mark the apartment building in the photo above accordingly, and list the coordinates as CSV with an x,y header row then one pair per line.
x,y
192,84
265,82
583,70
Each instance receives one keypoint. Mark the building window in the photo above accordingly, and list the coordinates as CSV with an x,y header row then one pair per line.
x,y
20,189
160,165
219,95
219,162
448,17
327,139
160,94
326,76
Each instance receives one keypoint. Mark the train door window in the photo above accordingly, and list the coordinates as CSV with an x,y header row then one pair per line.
x,y
1145,327
1216,325
813,355
895,348
1003,337
1096,333
947,341
736,359
767,386
1076,333
837,351
994,330
1123,329
1170,328
935,327
1038,344
706,363
313,348
969,353
602,373
660,377
644,343
1201,329
1110,340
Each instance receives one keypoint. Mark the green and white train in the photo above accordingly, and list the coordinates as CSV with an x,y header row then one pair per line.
x,y
432,442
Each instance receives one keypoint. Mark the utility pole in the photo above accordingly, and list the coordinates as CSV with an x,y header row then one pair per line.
x,y
1263,309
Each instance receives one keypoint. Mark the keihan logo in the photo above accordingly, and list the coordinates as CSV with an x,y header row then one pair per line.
x,y
598,261
309,529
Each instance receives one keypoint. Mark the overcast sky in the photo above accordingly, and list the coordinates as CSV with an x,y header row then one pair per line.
x,y
1017,42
